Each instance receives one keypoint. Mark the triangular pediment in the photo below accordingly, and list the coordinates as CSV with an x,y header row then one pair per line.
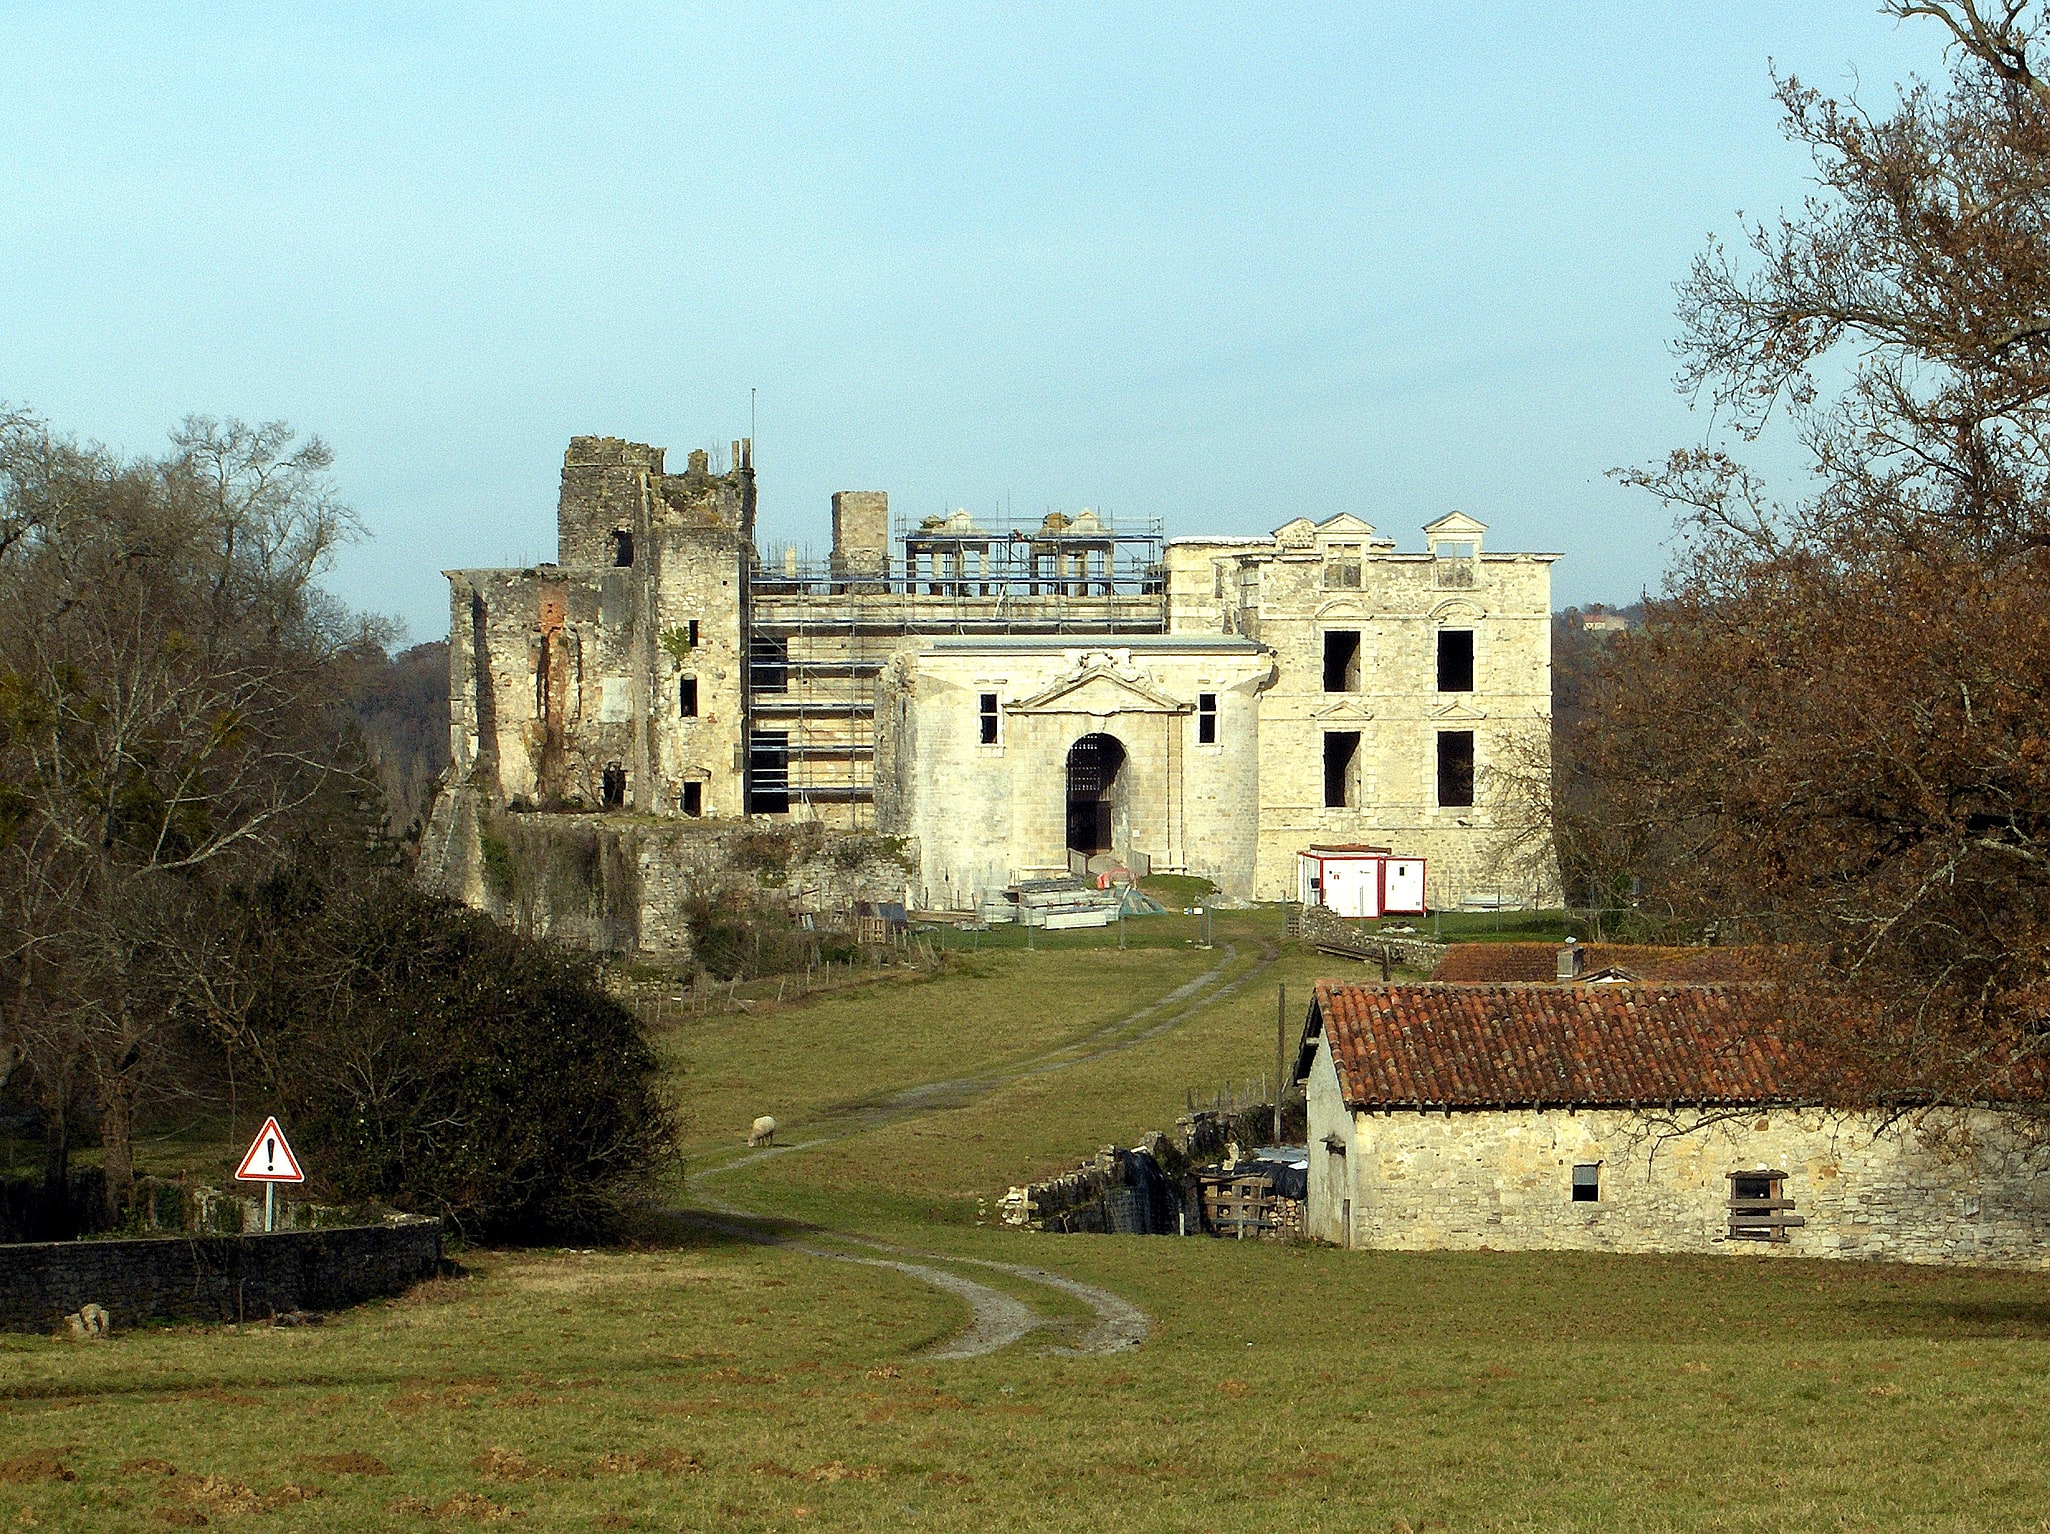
x,y
1456,713
1097,692
1343,710
1296,533
1344,525
1456,524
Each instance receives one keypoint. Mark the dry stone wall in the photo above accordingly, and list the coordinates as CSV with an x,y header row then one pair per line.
x,y
213,1278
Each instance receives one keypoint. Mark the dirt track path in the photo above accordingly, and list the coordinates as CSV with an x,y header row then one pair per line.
x,y
996,1319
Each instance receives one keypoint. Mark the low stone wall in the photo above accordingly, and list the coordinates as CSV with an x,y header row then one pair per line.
x,y
1322,927
1147,1190
213,1278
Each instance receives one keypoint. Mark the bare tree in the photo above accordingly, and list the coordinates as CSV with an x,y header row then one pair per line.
x,y
168,708
1834,727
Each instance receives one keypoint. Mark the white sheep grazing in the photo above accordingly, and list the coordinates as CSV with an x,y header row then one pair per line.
x,y
763,1132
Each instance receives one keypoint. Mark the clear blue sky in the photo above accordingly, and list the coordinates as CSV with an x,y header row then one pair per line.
x,y
1223,265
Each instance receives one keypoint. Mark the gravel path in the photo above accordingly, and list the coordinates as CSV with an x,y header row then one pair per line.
x,y
996,1319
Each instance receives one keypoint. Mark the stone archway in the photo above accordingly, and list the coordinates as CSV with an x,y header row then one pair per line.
x,y
1096,765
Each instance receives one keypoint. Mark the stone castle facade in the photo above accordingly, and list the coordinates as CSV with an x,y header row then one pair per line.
x,y
1014,701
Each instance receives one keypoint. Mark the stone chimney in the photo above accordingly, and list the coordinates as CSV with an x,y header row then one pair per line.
x,y
1570,956
861,533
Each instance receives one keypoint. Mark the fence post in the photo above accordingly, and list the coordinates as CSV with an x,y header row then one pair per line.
x,y
1280,1052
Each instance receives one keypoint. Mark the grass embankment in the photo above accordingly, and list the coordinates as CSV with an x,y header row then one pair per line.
x,y
715,1384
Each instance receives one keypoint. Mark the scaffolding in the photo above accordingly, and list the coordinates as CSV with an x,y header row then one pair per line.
x,y
821,631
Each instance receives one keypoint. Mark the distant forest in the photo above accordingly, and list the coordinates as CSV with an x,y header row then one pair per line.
x,y
401,703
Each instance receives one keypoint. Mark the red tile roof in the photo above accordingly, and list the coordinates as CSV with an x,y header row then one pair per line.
x,y
1502,962
1488,1046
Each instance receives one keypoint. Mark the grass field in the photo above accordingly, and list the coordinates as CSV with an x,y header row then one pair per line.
x,y
700,1380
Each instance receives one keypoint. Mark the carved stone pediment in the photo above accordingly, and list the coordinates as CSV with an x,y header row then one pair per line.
x,y
1098,691
1456,712
1344,711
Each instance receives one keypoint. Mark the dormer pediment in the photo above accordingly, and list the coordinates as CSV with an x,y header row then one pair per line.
x,y
1098,691
1344,525
1297,533
1455,524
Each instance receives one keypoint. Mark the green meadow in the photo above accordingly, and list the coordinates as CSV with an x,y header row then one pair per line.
x,y
747,1362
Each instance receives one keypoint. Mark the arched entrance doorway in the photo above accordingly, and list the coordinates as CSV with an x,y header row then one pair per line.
x,y
1095,766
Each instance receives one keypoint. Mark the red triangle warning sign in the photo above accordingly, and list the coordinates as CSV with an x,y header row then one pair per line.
x,y
270,1159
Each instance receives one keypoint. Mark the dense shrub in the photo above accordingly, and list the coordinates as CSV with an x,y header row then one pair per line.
x,y
436,1061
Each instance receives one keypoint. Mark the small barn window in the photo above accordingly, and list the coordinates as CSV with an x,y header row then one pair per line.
x,y
1455,660
1341,762
1455,769
1206,718
989,718
1759,1207
622,547
693,799
613,787
1587,1183
687,697
1342,660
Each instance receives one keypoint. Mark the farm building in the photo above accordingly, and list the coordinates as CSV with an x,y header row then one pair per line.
x,y
1633,1118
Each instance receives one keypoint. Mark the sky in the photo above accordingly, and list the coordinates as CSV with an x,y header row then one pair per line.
x,y
1217,265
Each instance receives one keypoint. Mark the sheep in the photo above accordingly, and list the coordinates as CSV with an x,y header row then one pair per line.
x,y
763,1132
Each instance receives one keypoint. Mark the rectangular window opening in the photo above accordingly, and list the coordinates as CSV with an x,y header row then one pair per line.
x,y
693,799
1455,660
1759,1207
1206,718
1342,566
989,718
768,663
687,697
690,633
768,773
1341,764
1587,1183
1342,660
1455,769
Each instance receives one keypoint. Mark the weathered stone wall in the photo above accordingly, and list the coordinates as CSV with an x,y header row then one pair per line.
x,y
1965,1188
1324,927
628,884
213,1278
986,814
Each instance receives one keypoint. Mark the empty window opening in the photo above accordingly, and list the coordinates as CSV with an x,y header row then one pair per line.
x,y
1341,769
768,663
1342,566
687,697
768,773
987,713
693,799
1206,718
1759,1207
690,633
1217,580
1587,1183
1455,563
612,787
1342,660
1455,769
1095,779
1455,660
622,547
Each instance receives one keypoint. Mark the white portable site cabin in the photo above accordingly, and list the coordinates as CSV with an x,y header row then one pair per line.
x,y
1357,880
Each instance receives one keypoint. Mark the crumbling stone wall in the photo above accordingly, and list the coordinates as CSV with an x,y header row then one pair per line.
x,y
628,884
1323,927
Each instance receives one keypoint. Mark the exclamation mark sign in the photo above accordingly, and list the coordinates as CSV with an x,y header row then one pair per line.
x,y
270,1153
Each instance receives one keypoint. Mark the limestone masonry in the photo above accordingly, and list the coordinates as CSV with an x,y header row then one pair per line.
x,y
1012,700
